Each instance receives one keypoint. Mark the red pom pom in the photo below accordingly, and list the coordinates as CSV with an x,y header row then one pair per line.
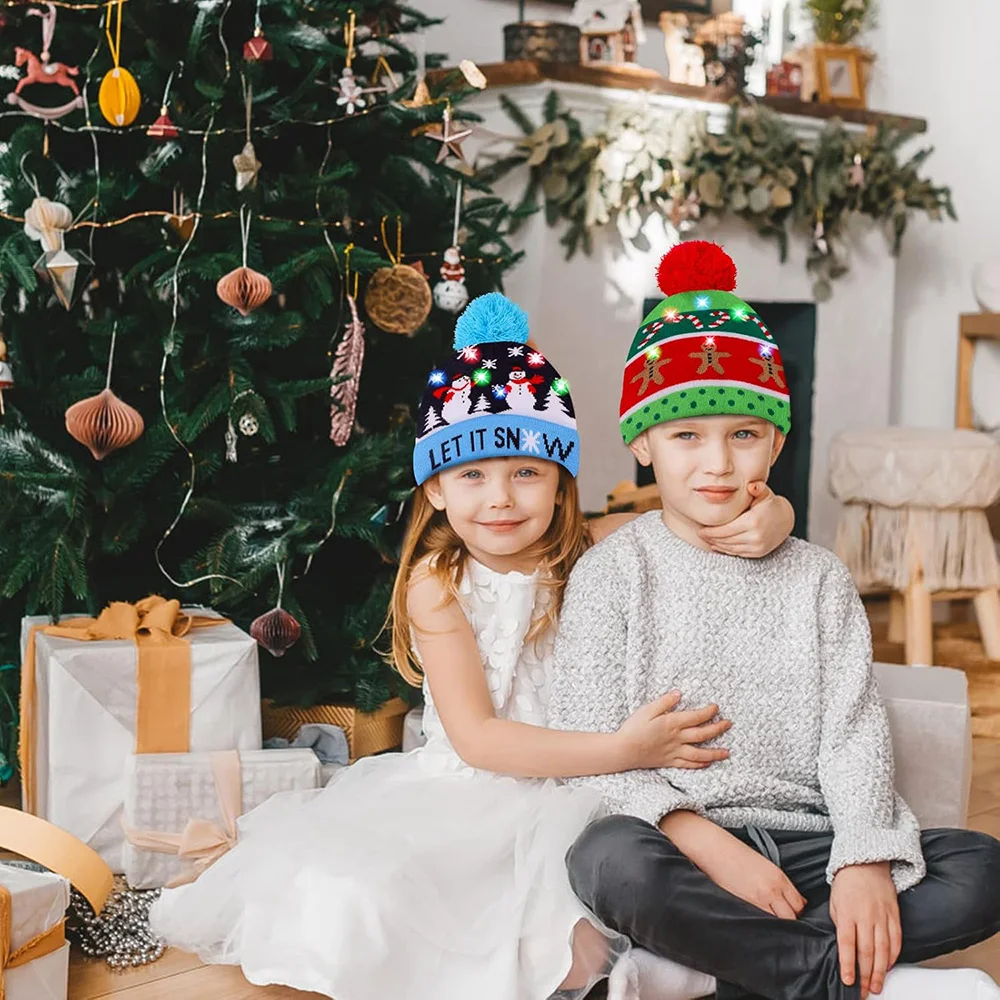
x,y
697,266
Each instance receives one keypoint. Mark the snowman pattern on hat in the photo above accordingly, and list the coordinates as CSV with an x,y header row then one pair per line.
x,y
456,399
497,379
520,392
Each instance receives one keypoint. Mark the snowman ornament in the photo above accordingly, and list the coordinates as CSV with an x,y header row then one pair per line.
x,y
450,293
457,399
519,392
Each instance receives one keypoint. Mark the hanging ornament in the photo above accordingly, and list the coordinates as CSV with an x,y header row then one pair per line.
x,y
451,139
450,293
398,298
43,70
247,167
276,630
249,425
246,163
345,376
350,91
421,95
103,422
383,71
65,271
258,48
163,127
856,173
180,221
474,76
119,98
244,288
6,374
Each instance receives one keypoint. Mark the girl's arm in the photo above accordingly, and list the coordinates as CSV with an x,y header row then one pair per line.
x,y
757,532
655,736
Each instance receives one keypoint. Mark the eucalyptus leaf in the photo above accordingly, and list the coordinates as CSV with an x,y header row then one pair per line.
x,y
738,200
781,197
710,189
760,199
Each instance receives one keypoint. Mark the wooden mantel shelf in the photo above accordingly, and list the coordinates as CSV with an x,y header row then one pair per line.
x,y
523,72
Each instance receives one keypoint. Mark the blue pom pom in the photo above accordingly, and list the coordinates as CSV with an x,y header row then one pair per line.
x,y
489,318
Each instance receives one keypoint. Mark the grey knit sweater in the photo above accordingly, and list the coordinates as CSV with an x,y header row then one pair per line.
x,y
781,644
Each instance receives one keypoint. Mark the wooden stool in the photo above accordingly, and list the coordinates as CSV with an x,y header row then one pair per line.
x,y
914,523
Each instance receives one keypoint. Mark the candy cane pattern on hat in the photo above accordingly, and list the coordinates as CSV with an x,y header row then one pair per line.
x,y
721,317
657,325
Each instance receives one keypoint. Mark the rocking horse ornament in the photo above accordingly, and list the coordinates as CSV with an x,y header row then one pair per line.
x,y
42,70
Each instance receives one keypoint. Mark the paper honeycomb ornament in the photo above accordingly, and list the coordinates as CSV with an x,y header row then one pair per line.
x,y
104,423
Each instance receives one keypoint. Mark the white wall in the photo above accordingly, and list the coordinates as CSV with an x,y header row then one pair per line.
x,y
940,64
474,29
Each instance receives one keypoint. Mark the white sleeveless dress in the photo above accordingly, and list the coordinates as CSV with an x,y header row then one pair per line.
x,y
412,876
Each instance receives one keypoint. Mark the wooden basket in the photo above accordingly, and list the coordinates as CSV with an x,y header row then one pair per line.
x,y
367,732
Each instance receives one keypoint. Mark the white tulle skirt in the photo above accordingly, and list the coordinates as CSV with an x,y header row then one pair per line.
x,y
402,879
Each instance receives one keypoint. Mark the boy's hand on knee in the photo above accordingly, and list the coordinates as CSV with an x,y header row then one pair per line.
x,y
734,866
759,530
865,909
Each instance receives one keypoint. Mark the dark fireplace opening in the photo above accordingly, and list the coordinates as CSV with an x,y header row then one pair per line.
x,y
794,327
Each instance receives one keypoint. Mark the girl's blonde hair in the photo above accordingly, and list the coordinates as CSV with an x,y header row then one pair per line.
x,y
430,538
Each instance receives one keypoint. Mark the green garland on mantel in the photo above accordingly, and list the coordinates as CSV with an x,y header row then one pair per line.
x,y
648,160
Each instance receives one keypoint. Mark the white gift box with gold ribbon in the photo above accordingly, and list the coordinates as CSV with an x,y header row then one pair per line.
x,y
181,809
33,948
165,682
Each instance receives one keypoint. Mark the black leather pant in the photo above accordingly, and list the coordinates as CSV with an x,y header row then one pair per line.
x,y
635,880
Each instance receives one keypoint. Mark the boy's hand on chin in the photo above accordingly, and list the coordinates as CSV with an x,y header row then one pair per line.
x,y
758,531
865,909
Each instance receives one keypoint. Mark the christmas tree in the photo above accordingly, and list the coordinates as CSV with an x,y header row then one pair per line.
x,y
261,151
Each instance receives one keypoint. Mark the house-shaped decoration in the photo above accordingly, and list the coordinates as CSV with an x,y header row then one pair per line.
x,y
610,31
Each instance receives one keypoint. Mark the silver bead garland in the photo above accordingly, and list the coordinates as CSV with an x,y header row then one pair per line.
x,y
120,934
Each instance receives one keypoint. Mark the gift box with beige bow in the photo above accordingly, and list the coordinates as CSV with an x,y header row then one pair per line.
x,y
34,954
181,808
142,678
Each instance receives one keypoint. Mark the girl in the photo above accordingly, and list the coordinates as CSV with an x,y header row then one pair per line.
x,y
440,874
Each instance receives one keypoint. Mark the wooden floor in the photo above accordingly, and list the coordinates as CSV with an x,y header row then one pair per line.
x,y
181,977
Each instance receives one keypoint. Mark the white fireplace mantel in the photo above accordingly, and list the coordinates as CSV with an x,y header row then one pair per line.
x,y
584,312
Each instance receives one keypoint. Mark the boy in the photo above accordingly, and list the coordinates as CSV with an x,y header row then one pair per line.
x,y
792,870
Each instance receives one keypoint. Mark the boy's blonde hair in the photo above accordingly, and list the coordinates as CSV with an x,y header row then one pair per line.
x,y
430,539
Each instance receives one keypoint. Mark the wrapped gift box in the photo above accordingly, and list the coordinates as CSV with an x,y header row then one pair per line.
x,y
928,709
38,907
85,721
166,792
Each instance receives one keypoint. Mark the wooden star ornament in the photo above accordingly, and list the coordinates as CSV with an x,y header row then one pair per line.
x,y
451,138
247,167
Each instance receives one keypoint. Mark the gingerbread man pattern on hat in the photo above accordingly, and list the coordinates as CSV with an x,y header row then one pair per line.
x,y
496,397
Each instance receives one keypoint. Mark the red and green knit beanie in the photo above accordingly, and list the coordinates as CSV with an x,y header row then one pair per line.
x,y
702,351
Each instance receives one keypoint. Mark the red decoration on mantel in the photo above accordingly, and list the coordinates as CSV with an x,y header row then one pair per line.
x,y
696,266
